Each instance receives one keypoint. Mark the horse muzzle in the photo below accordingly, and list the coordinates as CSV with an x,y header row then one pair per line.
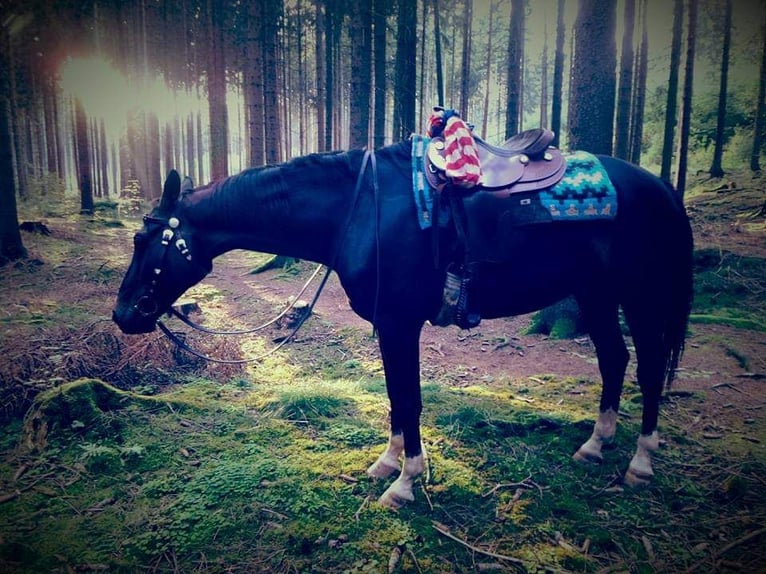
x,y
138,318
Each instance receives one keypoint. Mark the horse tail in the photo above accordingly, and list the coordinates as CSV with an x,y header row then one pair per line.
x,y
680,282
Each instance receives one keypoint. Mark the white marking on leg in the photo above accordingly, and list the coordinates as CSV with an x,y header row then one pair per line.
x,y
640,469
400,492
603,433
388,462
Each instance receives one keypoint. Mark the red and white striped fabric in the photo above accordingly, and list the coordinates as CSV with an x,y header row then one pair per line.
x,y
460,154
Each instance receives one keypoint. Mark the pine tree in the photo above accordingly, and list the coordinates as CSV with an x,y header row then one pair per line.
x,y
671,104
716,169
591,103
11,246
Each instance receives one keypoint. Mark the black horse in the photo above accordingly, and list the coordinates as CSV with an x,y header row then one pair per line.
x,y
355,212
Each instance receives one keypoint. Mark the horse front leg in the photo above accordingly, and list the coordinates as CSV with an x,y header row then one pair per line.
x,y
400,350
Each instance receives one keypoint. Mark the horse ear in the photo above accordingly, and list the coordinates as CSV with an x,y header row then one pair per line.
x,y
187,185
170,191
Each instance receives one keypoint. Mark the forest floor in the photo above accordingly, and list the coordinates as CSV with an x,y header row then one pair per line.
x,y
124,454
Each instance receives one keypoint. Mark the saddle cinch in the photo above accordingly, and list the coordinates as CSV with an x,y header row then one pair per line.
x,y
525,162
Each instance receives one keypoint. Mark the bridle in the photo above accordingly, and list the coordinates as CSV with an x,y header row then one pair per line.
x,y
172,234
147,304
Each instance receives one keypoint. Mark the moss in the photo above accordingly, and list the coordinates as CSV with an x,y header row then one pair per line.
x,y
725,319
222,470
560,321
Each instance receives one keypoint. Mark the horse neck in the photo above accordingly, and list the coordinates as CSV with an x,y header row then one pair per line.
x,y
296,209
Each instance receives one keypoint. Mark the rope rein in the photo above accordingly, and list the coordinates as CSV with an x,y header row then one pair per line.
x,y
185,346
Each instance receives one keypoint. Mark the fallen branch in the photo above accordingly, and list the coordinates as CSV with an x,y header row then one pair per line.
x,y
442,530
526,483
728,547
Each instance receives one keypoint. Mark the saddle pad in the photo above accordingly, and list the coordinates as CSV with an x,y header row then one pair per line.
x,y
423,192
424,199
585,193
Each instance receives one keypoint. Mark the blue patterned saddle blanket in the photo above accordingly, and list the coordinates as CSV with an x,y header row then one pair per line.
x,y
585,193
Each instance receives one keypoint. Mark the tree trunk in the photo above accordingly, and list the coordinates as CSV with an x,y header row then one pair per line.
x,y
379,18
514,65
671,105
167,148
253,73
639,93
465,61
302,87
17,146
96,159
558,75
152,142
591,102
216,90
329,72
83,160
544,79
104,155
760,112
190,150
11,246
686,100
438,55
488,64
625,89
361,74
405,71
716,169
424,63
321,78
49,109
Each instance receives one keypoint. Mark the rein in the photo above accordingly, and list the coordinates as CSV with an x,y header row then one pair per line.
x,y
369,156
183,345
184,319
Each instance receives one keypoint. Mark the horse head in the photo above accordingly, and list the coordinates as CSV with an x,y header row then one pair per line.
x,y
165,263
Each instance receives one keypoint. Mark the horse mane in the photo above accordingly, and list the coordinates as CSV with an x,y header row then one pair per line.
x,y
233,198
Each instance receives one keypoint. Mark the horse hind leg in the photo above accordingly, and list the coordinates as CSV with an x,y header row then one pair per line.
x,y
604,329
651,358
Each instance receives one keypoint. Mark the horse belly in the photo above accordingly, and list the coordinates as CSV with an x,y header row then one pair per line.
x,y
547,265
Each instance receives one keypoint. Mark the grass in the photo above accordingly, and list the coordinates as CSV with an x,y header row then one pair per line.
x,y
211,477
728,290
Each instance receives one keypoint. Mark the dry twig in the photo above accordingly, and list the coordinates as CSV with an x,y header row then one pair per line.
x,y
444,532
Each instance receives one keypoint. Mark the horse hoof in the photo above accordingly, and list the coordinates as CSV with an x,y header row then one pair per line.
x,y
637,479
381,470
586,457
393,501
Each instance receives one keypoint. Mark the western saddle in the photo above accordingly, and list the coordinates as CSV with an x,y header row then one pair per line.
x,y
524,163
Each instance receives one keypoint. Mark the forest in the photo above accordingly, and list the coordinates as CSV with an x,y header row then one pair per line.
x,y
106,97
127,454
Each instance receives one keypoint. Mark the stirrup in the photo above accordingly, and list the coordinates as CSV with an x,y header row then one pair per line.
x,y
468,315
450,298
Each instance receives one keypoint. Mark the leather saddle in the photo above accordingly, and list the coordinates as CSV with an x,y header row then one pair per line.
x,y
525,162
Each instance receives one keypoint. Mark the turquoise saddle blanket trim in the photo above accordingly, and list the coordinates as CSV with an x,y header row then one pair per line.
x,y
424,193
585,193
